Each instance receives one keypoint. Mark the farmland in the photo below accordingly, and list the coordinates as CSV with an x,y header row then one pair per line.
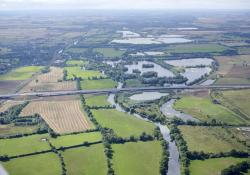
x,y
137,158
7,130
76,63
110,52
212,166
210,139
123,124
85,160
61,116
78,72
97,100
21,73
98,84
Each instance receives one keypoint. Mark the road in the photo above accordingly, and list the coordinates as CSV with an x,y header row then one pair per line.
x,y
107,91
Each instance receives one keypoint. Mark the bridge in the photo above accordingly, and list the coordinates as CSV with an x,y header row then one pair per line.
x,y
117,90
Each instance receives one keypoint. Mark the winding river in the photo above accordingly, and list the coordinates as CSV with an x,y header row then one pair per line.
x,y
174,162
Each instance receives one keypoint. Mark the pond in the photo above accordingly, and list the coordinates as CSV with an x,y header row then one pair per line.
x,y
162,72
190,62
145,96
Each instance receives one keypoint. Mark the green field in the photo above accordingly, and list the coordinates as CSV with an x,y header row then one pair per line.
x,y
212,166
75,139
110,52
204,109
21,73
98,84
11,129
124,125
97,100
134,83
210,139
76,50
86,160
198,48
76,63
78,72
47,163
140,158
23,145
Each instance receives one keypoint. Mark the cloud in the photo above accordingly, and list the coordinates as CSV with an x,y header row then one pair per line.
x,y
125,4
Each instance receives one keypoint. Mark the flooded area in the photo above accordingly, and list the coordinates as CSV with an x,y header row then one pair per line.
x,y
151,40
146,96
193,74
162,72
168,110
112,63
128,34
208,82
190,62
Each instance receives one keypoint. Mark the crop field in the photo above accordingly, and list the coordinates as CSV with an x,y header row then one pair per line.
x,y
98,84
124,125
210,139
61,116
97,100
76,139
238,99
23,145
212,166
76,63
21,73
233,70
204,109
78,72
110,52
76,50
9,103
11,129
86,160
198,48
41,164
8,86
140,158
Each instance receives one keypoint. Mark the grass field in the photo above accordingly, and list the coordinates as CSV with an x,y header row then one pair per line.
x,y
21,73
11,129
239,99
98,84
204,109
110,52
233,69
123,124
23,145
76,63
76,139
78,72
41,164
210,139
198,48
62,116
97,100
141,158
212,166
76,50
86,160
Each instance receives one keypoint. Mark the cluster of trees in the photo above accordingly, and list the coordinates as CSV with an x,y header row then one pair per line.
x,y
102,107
149,74
147,65
237,169
65,74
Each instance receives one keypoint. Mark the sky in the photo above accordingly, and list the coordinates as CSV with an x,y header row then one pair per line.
x,y
124,4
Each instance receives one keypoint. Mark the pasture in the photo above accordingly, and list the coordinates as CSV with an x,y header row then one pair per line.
x,y
73,72
62,116
41,164
204,109
212,166
75,139
210,139
76,63
98,84
124,125
97,100
109,52
86,160
21,73
23,145
11,129
76,50
140,158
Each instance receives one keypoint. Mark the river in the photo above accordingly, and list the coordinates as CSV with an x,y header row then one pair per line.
x,y
174,162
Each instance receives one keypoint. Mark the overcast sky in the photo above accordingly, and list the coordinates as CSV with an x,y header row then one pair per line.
x,y
125,4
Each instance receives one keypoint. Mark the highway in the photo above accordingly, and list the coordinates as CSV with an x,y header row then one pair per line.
x,y
114,90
